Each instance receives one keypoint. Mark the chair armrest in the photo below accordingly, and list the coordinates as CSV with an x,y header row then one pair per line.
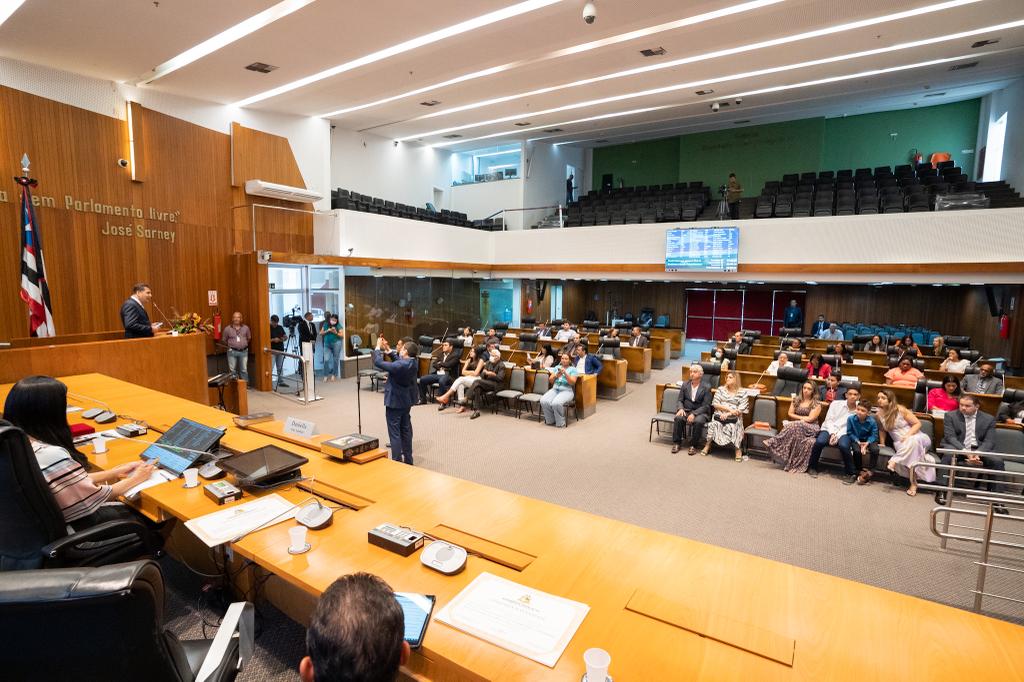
x,y
109,530
238,619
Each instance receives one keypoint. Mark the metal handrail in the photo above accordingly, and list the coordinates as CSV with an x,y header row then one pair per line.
x,y
504,227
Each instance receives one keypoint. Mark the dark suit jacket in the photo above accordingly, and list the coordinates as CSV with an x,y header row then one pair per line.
x,y
135,320
818,327
699,407
741,348
449,364
954,429
840,393
307,331
593,364
639,341
400,390
793,317
569,347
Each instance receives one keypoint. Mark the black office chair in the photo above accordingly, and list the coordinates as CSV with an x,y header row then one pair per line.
x,y
107,623
1010,396
788,380
712,374
528,322
921,393
33,533
609,346
501,327
528,341
957,341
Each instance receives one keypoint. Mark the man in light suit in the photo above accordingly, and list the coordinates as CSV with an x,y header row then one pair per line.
x,y
692,411
134,316
638,340
984,381
400,393
968,428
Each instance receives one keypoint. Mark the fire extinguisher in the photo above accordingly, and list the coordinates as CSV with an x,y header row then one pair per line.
x,y
1004,326
216,325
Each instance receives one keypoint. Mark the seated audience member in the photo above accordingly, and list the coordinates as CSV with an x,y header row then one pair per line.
x,y
968,428
817,367
833,432
565,333
796,346
613,333
791,447
953,364
944,398
832,333
38,406
491,377
571,345
357,633
693,408
542,331
844,353
587,363
1014,413
467,337
638,340
492,338
818,326
543,358
740,344
471,368
904,374
726,425
862,439
907,344
442,371
904,428
984,381
774,365
939,347
831,390
718,357
562,391
875,345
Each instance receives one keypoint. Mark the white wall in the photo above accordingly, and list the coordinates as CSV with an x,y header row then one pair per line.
x,y
544,165
1010,101
309,137
374,165
953,236
480,199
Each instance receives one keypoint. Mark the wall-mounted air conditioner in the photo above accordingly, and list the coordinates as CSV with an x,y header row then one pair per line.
x,y
262,188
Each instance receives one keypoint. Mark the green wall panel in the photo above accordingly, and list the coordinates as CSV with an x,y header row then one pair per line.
x,y
641,163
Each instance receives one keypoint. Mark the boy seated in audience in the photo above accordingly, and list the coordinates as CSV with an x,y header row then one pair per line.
x,y
904,374
862,439
357,632
831,390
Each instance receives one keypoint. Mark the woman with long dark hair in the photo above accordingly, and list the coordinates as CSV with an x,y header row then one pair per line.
x,y
38,406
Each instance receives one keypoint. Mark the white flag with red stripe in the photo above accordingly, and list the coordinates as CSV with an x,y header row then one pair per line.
x,y
34,289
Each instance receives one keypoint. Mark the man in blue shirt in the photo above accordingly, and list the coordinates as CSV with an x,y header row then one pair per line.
x,y
831,333
861,439
400,393
793,316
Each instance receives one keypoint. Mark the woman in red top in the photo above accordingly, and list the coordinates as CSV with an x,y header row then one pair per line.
x,y
816,367
947,397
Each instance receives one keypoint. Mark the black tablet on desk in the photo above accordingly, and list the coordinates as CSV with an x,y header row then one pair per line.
x,y
264,466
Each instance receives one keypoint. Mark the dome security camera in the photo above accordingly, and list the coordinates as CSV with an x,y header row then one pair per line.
x,y
714,107
123,163
589,12
739,100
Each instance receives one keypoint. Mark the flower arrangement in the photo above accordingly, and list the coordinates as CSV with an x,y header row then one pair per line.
x,y
190,323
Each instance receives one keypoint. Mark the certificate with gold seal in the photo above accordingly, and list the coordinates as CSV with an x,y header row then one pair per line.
x,y
521,619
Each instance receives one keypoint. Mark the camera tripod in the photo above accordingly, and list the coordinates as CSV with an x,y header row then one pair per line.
x,y
723,208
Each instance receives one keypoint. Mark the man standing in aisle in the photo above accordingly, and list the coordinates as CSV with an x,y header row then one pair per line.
x,y
793,316
568,189
237,337
277,339
733,194
134,316
400,393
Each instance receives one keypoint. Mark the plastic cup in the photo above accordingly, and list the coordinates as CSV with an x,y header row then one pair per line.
x,y
597,662
297,538
99,445
191,478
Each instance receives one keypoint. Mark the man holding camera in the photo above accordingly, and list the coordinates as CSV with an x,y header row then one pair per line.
x,y
733,194
399,393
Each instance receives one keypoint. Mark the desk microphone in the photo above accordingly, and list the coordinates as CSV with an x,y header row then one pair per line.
x,y
161,313
102,415
315,515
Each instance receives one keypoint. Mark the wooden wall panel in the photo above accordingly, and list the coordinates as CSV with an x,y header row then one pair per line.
x,y
187,191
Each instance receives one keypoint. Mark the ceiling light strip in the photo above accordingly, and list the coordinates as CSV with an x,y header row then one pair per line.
x,y
805,84
574,49
9,7
415,43
808,35
724,79
224,38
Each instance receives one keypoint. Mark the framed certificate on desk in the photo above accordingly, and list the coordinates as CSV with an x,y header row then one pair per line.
x,y
521,619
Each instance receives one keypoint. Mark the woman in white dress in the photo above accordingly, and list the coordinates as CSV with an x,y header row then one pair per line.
x,y
911,446
726,425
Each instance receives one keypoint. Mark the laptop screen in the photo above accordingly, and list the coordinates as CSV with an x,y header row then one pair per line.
x,y
184,434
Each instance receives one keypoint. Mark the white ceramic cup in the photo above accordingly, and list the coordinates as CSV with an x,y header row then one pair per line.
x,y
597,662
297,538
191,477
99,445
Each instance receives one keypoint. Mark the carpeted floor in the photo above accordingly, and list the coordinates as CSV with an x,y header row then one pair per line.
x,y
873,534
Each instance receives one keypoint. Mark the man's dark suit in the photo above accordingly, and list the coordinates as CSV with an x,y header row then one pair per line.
x,y
639,341
570,348
699,406
840,393
954,430
307,331
818,327
593,364
135,320
449,362
399,396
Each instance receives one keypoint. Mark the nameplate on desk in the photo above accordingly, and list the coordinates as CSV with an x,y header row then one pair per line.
x,y
300,427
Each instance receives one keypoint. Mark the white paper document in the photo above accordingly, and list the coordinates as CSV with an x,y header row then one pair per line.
x,y
227,524
858,361
156,478
521,619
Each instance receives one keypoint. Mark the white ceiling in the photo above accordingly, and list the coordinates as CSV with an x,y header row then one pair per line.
x,y
123,40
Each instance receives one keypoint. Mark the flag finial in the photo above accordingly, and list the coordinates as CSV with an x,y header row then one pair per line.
x,y
25,164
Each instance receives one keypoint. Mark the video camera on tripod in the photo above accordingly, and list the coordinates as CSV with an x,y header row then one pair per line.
x,y
293,319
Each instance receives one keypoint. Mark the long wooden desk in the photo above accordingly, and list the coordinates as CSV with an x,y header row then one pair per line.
x,y
665,607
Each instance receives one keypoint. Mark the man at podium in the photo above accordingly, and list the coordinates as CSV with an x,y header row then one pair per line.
x,y
134,316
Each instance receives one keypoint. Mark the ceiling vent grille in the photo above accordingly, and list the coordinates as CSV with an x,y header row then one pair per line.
x,y
983,43
705,92
554,130
430,103
260,67
453,136
653,52
521,124
961,67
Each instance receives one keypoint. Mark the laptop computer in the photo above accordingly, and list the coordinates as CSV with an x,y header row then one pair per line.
x,y
195,438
